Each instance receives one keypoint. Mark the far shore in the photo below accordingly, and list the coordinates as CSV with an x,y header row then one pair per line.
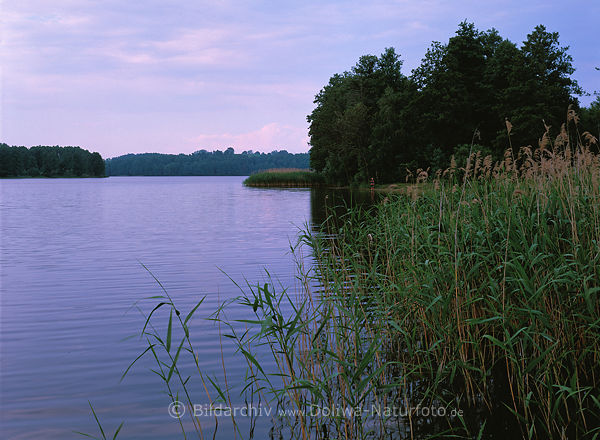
x,y
52,177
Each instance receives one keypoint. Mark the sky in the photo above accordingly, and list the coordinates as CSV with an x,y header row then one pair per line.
x,y
118,76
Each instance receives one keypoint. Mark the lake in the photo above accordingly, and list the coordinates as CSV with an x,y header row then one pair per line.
x,y
73,286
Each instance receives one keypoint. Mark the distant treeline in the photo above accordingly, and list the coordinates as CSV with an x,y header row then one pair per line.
x,y
203,163
374,121
44,161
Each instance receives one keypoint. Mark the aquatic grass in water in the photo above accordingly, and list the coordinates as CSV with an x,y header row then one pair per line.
x,y
285,177
314,363
489,290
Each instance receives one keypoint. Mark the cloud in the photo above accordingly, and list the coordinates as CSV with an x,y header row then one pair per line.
x,y
173,76
186,48
272,136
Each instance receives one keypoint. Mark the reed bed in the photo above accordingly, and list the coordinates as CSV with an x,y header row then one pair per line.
x,y
468,307
285,177
481,294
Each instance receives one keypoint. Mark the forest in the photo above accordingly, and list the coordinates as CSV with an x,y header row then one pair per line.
x,y
46,161
203,163
478,88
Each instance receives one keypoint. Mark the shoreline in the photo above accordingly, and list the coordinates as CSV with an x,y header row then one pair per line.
x,y
52,177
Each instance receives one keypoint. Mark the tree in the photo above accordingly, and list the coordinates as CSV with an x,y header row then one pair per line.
x,y
49,161
590,120
452,92
97,165
341,133
373,121
545,84
395,144
203,163
503,76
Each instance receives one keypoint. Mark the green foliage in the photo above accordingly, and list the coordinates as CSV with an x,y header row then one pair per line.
x,y
203,163
372,121
104,437
485,294
42,161
451,89
590,118
342,124
462,152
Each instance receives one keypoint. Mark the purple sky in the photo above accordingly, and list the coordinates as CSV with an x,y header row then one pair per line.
x,y
119,77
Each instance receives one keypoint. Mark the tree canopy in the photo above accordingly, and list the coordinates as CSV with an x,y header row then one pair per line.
x,y
203,163
45,161
373,121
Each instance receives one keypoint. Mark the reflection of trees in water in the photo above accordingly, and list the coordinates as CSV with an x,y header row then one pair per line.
x,y
327,201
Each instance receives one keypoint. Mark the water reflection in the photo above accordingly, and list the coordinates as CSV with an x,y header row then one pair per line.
x,y
70,254
325,201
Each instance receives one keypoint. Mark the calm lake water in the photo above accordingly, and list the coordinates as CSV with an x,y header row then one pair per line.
x,y
71,275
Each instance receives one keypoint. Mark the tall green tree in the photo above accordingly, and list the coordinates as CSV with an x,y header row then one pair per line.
x,y
96,165
342,124
545,87
395,143
590,120
453,96
49,162
503,75
373,121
